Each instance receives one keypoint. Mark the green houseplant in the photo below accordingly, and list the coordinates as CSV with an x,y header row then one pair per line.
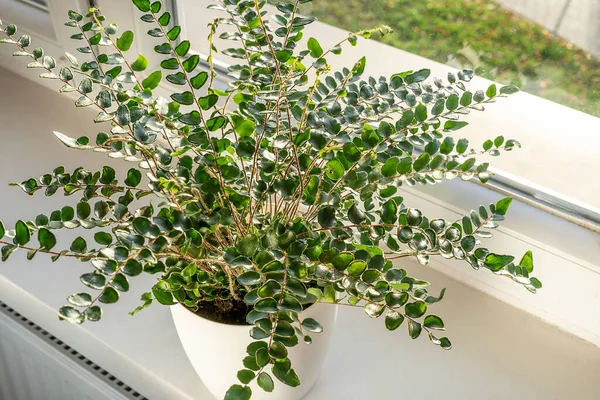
x,y
280,192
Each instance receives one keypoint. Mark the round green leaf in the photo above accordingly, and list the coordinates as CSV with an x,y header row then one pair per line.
x,y
374,310
396,299
164,19
67,213
342,260
22,234
355,215
134,177
433,322
312,325
132,268
104,265
283,371
262,357
268,305
269,289
414,329
416,309
255,346
422,162
216,123
142,5
389,211
495,262
468,243
503,205
393,320
79,245
284,329
278,351
296,287
144,227
334,170
103,238
191,63
246,128
80,299
414,217
245,376
199,80
283,55
83,210
108,173
315,48
509,89
265,382
93,280
357,267
46,238
248,245
453,234
109,296
452,102
526,262
152,81
246,147
290,303
238,392
93,314
185,98
125,41
163,297
120,282
351,152
445,343
71,314
326,216
390,167
249,278
421,113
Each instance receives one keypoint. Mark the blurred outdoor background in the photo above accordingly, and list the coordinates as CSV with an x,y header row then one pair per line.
x,y
549,48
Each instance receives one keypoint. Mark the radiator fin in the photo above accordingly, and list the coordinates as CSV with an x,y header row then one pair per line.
x,y
35,365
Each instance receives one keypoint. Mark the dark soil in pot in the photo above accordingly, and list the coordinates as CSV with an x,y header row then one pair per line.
x,y
231,312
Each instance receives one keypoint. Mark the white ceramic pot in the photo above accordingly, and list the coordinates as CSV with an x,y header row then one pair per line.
x,y
216,352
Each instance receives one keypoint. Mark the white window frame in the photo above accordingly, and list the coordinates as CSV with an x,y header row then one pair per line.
x,y
565,241
46,28
529,184
34,16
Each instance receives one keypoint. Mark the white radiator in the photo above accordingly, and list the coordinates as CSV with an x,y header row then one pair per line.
x,y
34,365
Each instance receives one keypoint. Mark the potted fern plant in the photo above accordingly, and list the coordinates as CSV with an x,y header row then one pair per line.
x,y
261,207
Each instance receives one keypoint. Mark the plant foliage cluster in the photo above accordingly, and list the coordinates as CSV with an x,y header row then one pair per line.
x,y
282,190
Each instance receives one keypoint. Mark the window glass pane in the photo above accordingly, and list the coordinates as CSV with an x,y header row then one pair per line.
x,y
549,48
